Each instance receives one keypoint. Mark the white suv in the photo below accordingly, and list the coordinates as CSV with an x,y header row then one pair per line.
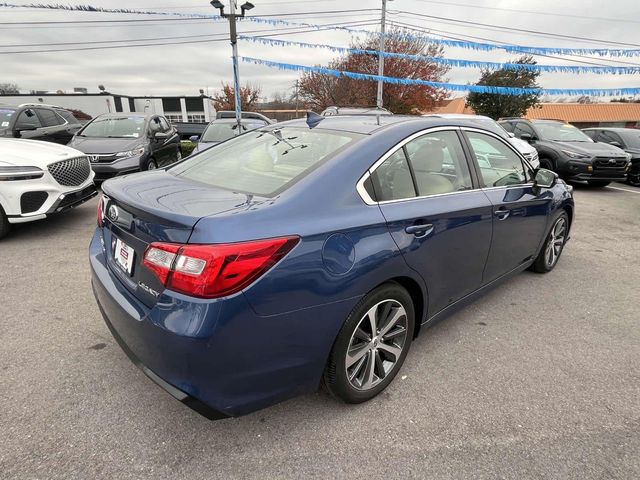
x,y
38,179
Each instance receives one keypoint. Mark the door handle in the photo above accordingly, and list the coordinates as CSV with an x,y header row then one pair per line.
x,y
502,213
420,231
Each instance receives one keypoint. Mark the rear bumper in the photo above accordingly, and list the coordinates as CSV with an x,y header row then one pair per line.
x,y
218,356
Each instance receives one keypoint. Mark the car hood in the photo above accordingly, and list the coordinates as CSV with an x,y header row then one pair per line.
x,y
522,146
593,149
104,145
35,153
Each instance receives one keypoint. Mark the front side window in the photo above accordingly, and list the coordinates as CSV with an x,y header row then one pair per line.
x,y
264,162
610,137
118,127
499,165
521,128
28,118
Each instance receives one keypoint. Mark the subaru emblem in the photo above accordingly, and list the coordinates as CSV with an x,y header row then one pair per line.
x,y
113,213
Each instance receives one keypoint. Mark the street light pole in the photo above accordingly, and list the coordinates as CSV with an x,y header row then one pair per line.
x,y
380,57
231,16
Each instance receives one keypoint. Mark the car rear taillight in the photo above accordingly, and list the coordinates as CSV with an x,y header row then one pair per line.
x,y
211,271
100,212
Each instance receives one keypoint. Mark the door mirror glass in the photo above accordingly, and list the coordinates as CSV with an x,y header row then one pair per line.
x,y
527,137
545,178
194,138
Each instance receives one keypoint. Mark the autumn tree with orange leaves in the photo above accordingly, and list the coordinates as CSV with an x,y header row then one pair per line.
x,y
320,91
225,99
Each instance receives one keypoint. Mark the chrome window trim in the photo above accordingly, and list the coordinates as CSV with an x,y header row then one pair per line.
x,y
370,201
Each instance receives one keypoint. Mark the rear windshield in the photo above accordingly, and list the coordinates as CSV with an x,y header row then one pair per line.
x,y
264,162
119,127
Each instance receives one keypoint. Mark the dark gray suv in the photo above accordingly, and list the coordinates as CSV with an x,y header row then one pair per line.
x,y
120,143
569,152
37,121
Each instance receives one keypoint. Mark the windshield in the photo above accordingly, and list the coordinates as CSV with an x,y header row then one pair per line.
x,y
5,117
264,162
118,127
561,132
221,131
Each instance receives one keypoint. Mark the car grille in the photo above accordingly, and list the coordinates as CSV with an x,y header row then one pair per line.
x,y
72,172
610,163
102,158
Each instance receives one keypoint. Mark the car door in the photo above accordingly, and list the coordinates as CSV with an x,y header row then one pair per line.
x,y
29,126
172,141
520,209
54,126
437,217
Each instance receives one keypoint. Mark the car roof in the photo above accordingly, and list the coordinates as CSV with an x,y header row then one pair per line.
x,y
233,120
615,129
368,125
127,114
460,116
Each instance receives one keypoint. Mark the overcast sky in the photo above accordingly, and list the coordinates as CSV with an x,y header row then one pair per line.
x,y
184,69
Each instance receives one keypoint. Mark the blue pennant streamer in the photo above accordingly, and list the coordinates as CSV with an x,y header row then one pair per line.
x,y
598,92
450,61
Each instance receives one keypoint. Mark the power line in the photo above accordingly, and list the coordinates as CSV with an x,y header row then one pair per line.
x,y
513,29
532,12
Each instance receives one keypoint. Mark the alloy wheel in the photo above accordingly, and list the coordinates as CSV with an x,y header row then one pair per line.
x,y
556,241
376,344
152,165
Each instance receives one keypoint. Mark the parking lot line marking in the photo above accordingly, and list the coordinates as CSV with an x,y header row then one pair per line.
x,y
625,190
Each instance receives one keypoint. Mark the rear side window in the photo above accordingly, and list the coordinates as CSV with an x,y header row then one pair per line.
x,y
264,162
49,118
67,115
392,179
28,118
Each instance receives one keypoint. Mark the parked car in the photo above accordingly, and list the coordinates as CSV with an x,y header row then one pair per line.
x,y
223,129
38,122
527,151
627,139
38,179
573,155
314,251
121,143
332,111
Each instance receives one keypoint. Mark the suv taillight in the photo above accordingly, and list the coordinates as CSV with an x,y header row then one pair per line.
x,y
217,270
100,212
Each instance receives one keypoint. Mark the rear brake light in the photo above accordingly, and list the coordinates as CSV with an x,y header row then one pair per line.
x,y
100,212
211,271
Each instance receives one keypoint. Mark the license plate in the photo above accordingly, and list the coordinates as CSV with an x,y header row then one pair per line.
x,y
124,256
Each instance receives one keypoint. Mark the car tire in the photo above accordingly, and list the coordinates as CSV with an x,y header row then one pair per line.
x,y
554,243
378,357
5,226
151,164
547,164
598,183
633,179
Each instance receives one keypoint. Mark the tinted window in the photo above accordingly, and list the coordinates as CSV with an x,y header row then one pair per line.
x,y
5,116
68,116
264,162
525,128
591,133
499,165
28,118
609,137
392,179
49,117
120,127
508,126
438,163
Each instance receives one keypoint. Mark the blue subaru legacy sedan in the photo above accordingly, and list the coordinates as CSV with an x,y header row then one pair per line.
x,y
313,252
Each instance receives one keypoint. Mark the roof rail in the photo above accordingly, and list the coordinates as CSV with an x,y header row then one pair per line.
x,y
40,105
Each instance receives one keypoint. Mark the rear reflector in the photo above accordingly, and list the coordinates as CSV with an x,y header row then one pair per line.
x,y
211,271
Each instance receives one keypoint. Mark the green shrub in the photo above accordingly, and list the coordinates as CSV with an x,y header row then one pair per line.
x,y
187,147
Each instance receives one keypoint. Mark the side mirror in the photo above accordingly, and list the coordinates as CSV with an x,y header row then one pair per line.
x,y
511,135
545,178
527,137
160,135
194,138
615,144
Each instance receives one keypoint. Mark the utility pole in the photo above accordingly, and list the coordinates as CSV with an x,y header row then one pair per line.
x,y
380,50
296,98
234,48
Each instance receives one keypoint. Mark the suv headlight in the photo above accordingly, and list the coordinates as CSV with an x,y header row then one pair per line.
x,y
19,173
131,153
576,155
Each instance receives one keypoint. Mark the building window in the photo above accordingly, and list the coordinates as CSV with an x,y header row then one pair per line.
x,y
173,117
196,118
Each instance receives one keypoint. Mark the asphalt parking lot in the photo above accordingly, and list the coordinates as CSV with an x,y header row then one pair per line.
x,y
538,379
